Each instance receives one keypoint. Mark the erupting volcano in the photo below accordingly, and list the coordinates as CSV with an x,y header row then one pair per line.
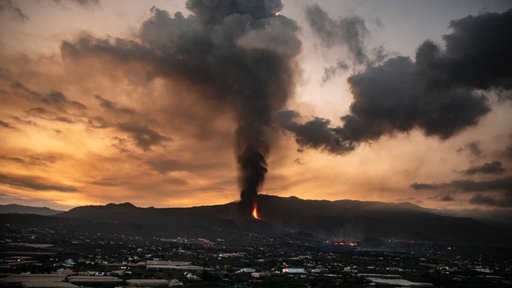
x,y
246,61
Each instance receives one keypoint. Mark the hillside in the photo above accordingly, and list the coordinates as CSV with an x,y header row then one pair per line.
x,y
344,219
20,209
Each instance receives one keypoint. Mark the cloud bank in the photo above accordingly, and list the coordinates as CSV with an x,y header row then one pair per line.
x,y
438,93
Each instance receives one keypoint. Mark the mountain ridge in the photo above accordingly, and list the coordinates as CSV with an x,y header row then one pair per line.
x,y
321,219
22,209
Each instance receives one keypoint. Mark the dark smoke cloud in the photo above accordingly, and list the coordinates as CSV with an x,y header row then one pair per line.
x,y
214,12
392,97
435,94
315,133
34,183
388,99
331,71
236,53
143,136
477,54
349,32
494,167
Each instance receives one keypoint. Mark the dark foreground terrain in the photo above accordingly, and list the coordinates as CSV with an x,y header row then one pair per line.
x,y
298,244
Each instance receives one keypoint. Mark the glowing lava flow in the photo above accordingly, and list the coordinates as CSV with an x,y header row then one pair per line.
x,y
255,211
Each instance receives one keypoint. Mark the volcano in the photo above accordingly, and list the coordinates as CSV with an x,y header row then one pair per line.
x,y
321,219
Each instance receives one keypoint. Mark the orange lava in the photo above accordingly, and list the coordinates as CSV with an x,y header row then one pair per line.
x,y
255,211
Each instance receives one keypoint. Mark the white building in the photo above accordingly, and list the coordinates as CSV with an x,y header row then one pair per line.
x,y
294,270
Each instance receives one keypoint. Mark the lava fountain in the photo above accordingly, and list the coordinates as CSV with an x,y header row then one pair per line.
x,y
255,211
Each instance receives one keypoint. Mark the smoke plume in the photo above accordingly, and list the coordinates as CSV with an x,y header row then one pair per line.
x,y
437,93
237,53
349,32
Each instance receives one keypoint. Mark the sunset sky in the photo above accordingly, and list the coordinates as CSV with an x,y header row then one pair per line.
x,y
130,101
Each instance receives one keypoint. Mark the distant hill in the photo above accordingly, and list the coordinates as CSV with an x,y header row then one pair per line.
x,y
356,220
344,219
500,217
19,209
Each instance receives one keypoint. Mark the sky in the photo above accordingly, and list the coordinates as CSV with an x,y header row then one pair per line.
x,y
181,103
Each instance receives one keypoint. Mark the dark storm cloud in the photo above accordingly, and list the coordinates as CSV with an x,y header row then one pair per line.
x,y
477,54
33,183
494,167
392,97
143,136
349,31
236,53
315,133
7,6
388,99
111,106
214,12
6,125
435,94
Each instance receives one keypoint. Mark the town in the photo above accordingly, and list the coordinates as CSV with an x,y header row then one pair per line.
x,y
43,257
